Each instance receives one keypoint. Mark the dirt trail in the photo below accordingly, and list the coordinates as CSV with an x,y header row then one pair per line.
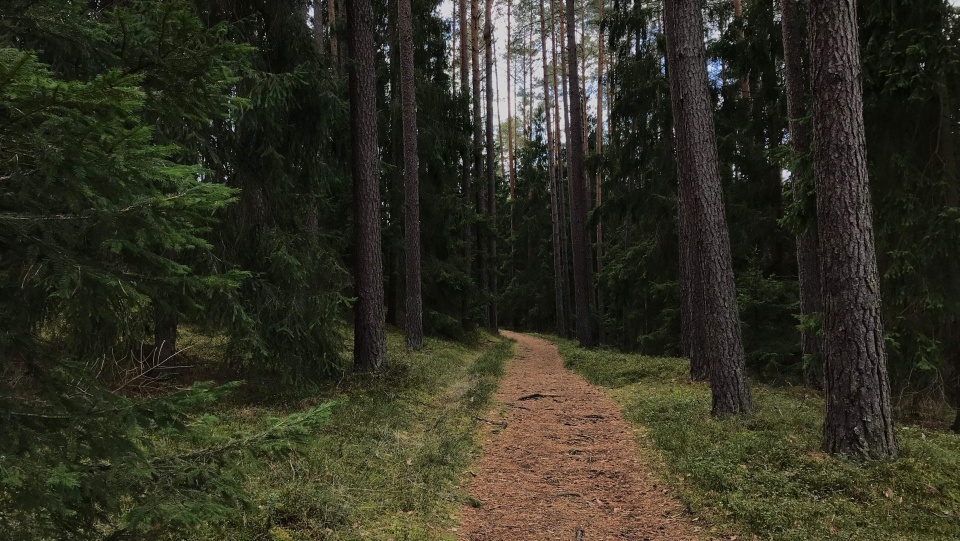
x,y
566,466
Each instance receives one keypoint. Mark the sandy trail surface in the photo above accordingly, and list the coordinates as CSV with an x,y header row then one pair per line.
x,y
563,463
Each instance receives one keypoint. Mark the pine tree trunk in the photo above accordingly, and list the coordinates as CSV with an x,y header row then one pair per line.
x,y
319,36
481,198
332,29
599,182
554,191
369,342
859,421
511,123
413,322
808,265
393,199
691,322
582,251
702,210
466,177
738,16
562,187
491,207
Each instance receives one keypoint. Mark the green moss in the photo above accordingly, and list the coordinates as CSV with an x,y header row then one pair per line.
x,y
765,474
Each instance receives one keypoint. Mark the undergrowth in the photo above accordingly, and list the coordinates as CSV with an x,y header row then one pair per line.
x,y
765,475
387,463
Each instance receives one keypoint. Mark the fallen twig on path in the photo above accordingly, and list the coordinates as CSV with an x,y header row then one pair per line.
x,y
535,396
516,406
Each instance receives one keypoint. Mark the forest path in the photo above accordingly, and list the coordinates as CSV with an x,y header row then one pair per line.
x,y
565,465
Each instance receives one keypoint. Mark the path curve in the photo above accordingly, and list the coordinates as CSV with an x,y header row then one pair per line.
x,y
566,466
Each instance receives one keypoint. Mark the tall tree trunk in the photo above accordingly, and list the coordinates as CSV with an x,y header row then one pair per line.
x,y
455,36
496,90
369,338
465,159
582,251
859,421
808,265
528,128
555,215
491,206
393,200
481,198
319,32
599,180
562,193
413,322
332,29
701,199
511,122
738,16
582,51
691,295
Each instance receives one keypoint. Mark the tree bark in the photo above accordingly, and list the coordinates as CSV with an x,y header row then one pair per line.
x,y
692,310
491,207
738,16
332,29
510,120
582,251
466,176
481,199
413,322
554,189
859,421
562,193
369,342
599,180
798,100
702,209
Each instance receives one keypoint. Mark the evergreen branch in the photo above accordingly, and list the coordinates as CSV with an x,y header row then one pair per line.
x,y
233,444
88,214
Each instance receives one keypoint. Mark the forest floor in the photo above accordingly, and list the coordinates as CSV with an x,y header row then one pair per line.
x,y
764,476
561,463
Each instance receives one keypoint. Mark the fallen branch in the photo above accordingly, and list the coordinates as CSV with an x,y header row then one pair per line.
x,y
536,396
518,407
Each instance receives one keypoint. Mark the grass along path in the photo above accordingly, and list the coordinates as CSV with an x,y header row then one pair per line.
x,y
389,462
765,475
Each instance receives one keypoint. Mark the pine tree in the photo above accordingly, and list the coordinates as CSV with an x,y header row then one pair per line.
x,y
797,86
411,184
582,251
370,347
859,420
491,204
702,209
480,195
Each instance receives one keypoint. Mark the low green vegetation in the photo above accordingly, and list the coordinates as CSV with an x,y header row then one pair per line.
x,y
765,475
386,465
